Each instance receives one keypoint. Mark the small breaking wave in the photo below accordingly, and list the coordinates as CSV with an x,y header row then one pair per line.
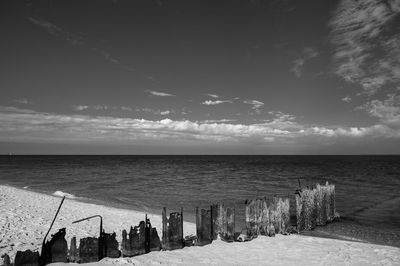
x,y
60,193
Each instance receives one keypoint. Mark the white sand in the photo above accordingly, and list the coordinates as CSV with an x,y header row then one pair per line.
x,y
25,217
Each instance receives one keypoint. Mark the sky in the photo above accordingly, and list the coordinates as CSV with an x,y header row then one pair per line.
x,y
200,77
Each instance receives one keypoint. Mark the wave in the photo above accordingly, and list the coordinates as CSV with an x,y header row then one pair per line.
x,y
60,193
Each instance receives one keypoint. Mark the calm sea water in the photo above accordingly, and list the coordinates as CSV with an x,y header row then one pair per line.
x,y
367,187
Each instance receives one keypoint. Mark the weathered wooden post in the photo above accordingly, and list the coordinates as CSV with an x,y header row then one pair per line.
x,y
88,249
136,243
229,234
110,246
252,224
299,211
151,237
216,216
264,213
330,206
56,249
73,251
204,226
26,258
6,260
172,237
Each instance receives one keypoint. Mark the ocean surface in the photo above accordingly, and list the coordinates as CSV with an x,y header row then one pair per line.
x,y
367,187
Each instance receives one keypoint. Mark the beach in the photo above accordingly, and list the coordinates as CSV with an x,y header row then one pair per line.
x,y
26,216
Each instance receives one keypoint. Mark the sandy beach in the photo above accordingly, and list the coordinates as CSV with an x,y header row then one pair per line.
x,y
25,218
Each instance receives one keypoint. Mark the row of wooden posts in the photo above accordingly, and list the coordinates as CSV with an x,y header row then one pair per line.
x,y
314,206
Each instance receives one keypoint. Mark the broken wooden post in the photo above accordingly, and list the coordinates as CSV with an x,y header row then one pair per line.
x,y
73,252
151,237
229,225
56,249
251,218
330,204
6,260
216,221
26,258
110,246
223,222
172,237
135,244
203,226
315,206
264,213
89,249
300,223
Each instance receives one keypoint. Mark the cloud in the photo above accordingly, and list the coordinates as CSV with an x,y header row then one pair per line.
x,y
19,125
80,107
387,111
346,99
218,121
157,93
126,108
76,39
156,111
212,95
299,63
22,101
167,112
366,43
55,30
101,107
256,105
209,102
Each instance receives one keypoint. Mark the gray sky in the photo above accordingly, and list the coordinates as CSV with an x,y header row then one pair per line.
x,y
200,77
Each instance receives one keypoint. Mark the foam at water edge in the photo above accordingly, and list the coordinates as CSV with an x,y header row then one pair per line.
x,y
59,193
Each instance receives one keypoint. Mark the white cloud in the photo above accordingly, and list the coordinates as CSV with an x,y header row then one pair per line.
x,y
218,121
367,45
55,30
157,93
22,101
80,107
27,125
256,105
209,102
346,99
299,63
212,95
126,108
387,111
166,112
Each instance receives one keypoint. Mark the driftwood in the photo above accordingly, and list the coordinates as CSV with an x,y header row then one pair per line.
x,y
172,234
89,249
315,206
203,227
26,258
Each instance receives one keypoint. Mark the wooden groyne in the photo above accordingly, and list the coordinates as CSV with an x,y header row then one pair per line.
x,y
314,206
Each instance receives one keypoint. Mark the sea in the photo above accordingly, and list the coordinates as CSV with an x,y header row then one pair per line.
x,y
367,187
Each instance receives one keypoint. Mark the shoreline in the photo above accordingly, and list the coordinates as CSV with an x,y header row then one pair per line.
x,y
26,216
